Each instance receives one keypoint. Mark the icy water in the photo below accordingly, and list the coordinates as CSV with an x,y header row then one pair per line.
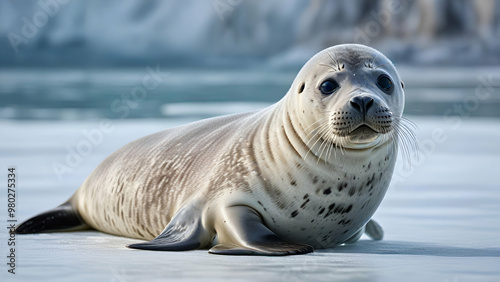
x,y
441,217
154,92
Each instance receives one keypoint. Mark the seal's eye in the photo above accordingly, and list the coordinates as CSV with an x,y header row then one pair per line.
x,y
385,84
329,86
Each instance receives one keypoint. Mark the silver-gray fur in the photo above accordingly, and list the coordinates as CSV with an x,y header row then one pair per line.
x,y
308,171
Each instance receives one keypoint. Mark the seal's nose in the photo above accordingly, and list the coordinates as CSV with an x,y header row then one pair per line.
x,y
362,103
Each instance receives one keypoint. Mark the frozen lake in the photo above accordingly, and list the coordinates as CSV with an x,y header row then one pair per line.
x,y
441,218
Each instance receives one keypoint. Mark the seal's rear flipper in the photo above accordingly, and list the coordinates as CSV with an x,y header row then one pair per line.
x,y
245,234
184,232
374,230
62,218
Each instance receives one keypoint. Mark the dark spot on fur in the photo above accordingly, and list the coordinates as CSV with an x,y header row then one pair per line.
x,y
344,222
262,205
370,181
293,183
321,211
369,165
295,213
328,191
304,204
342,186
352,191
349,208
306,196
338,209
315,179
330,208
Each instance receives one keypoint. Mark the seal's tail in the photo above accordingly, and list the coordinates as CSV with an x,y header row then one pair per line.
x,y
62,218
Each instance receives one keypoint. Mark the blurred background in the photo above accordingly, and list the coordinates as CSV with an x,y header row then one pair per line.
x,y
79,79
74,60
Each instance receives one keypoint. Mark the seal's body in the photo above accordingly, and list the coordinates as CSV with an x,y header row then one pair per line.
x,y
309,171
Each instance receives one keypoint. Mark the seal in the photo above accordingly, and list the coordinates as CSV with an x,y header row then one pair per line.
x,y
307,172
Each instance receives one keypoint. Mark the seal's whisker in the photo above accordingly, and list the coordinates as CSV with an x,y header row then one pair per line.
x,y
318,134
413,144
313,124
375,58
330,146
324,143
405,138
317,131
323,119
325,65
407,127
333,60
406,124
376,67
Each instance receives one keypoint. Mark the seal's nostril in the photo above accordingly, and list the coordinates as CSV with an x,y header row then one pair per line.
x,y
356,103
368,103
361,103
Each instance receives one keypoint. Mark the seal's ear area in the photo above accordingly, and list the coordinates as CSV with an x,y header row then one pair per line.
x,y
62,218
247,235
402,85
301,87
184,232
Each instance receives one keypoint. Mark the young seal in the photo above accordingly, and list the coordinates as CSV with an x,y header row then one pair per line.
x,y
307,172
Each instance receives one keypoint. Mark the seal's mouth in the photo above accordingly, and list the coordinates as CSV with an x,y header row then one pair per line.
x,y
363,134
363,129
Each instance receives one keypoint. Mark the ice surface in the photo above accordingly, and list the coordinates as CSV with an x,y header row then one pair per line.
x,y
441,218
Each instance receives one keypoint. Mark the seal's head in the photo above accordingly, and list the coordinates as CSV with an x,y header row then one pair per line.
x,y
350,96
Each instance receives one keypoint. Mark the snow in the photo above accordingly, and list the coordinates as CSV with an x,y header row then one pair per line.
x,y
441,218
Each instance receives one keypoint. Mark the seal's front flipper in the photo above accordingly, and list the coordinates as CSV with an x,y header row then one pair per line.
x,y
374,230
62,218
243,233
184,232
